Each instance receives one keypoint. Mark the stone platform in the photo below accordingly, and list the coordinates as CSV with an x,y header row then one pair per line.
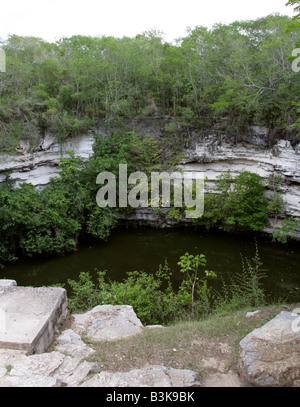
x,y
29,316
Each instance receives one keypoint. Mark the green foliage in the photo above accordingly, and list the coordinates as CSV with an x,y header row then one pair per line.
x,y
288,229
246,204
36,221
68,166
149,153
143,292
189,265
295,4
293,26
152,296
50,221
100,221
245,288
155,300
85,295
145,153
236,74
175,213
238,203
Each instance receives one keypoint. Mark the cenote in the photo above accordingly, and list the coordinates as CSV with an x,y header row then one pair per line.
x,y
146,248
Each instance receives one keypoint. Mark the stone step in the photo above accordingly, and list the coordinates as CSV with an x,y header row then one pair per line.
x,y
29,316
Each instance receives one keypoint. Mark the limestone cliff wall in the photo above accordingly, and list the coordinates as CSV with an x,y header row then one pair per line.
x,y
37,167
212,154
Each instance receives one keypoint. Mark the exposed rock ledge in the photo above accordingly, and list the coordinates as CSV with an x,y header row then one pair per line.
x,y
212,155
269,356
215,157
66,364
39,166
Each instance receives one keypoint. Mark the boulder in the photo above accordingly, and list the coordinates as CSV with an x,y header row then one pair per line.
x,y
30,316
65,366
270,355
107,322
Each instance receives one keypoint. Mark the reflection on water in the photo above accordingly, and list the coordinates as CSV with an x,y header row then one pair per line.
x,y
146,248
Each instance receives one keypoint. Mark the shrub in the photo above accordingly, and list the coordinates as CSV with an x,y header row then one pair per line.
x,y
155,300
245,289
152,296
238,203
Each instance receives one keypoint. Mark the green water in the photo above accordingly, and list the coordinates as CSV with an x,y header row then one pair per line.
x,y
145,248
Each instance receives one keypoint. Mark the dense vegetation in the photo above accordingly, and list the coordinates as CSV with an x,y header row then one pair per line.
x,y
52,220
236,75
156,300
294,26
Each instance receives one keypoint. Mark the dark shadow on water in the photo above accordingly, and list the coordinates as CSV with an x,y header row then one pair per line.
x,y
145,248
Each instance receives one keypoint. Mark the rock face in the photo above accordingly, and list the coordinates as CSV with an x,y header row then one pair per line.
x,y
107,322
270,355
61,369
153,376
215,156
65,366
70,343
211,154
39,166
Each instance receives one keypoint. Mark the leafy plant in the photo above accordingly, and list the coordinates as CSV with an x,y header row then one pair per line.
x,y
189,264
234,74
288,229
237,203
152,296
245,288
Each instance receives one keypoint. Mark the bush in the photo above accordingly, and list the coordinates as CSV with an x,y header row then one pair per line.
x,y
245,289
155,300
151,295
290,228
237,203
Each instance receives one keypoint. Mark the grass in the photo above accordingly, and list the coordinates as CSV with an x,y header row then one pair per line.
x,y
205,346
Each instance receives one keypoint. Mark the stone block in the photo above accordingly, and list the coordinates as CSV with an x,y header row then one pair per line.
x,y
29,316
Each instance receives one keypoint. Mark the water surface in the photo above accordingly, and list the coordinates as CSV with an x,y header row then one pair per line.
x,y
146,248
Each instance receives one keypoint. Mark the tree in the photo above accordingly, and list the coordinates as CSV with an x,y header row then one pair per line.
x,y
289,228
236,203
246,205
294,26
296,5
260,80
236,75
